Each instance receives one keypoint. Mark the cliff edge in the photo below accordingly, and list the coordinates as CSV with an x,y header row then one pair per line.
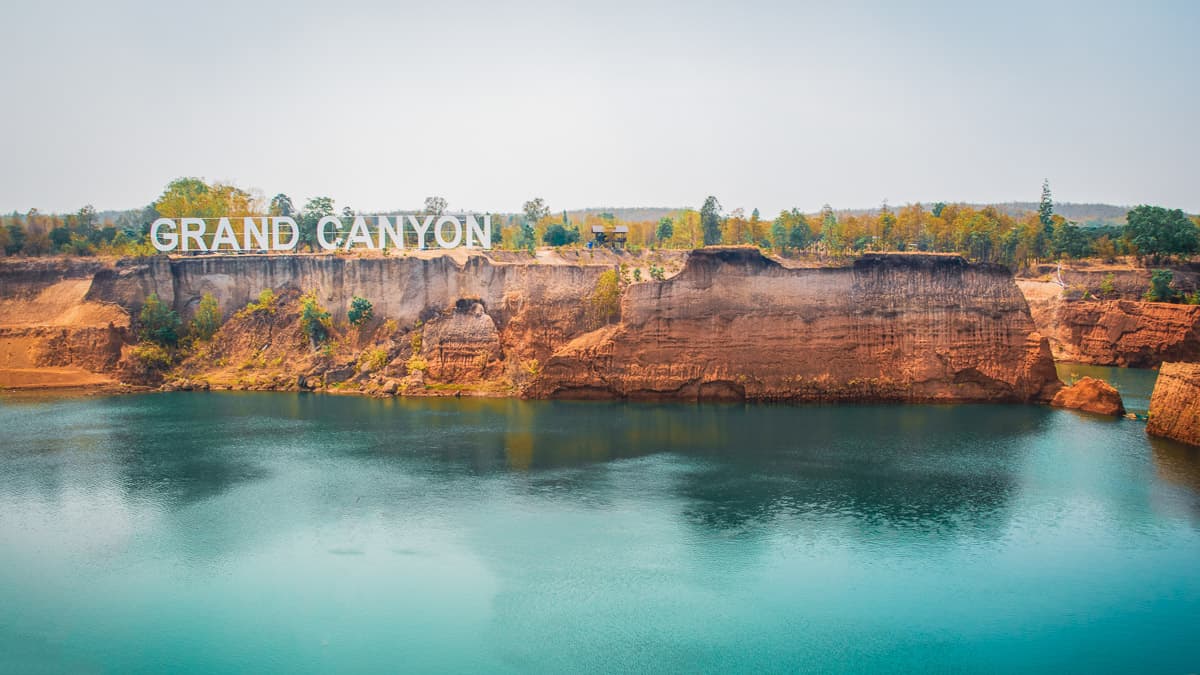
x,y
734,325
1175,403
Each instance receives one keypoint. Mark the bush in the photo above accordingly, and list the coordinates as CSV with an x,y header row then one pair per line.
x,y
159,323
208,317
266,304
605,301
372,360
314,319
151,356
1108,287
1160,286
360,312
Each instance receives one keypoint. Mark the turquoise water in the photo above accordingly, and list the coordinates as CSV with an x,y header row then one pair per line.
x,y
194,532
1135,384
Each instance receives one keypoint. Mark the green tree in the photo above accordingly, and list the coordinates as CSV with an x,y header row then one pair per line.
x,y
158,323
1159,232
557,235
831,230
800,236
314,210
665,230
314,319
779,233
16,238
281,205
59,237
85,219
1160,286
1046,207
360,311
710,221
207,319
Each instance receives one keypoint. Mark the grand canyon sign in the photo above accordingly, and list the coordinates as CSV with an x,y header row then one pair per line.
x,y
281,233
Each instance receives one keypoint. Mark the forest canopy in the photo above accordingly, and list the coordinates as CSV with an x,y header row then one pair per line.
x,y
1013,234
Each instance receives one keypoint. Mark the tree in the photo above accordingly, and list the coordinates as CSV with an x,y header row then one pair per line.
x,y
85,219
207,319
605,301
535,209
435,206
801,235
831,230
1159,232
360,311
314,319
557,235
665,229
314,210
1160,286
158,323
59,237
281,205
710,221
16,238
1046,207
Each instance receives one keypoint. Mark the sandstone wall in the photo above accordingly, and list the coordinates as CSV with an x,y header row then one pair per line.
x,y
735,325
1175,404
731,325
1130,333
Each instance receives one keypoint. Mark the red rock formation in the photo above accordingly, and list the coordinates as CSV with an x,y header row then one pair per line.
x,y
735,325
1090,395
1129,333
1175,403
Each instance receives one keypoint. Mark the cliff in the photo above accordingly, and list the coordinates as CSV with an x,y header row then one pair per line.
x,y
735,325
1130,333
732,324
1175,403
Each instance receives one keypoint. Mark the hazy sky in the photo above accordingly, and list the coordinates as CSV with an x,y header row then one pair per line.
x,y
773,105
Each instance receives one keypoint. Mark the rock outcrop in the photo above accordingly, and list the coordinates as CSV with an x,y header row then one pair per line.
x,y
1127,333
735,325
732,325
1175,403
1090,395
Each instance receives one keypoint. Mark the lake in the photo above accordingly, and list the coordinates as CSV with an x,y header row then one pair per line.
x,y
202,532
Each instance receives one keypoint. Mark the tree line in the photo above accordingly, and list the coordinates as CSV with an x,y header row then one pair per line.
x,y
986,234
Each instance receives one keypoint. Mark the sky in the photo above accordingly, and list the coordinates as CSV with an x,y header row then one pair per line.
x,y
644,103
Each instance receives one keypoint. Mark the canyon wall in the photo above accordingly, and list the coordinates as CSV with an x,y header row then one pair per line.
x,y
1175,403
735,325
1129,333
732,324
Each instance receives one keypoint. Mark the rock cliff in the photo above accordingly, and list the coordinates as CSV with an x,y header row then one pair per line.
x,y
1175,403
732,324
1130,333
735,325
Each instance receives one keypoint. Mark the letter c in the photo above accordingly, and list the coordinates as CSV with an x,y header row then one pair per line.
x,y
321,239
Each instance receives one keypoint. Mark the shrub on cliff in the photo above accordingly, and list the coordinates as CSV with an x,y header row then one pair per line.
x,y
208,317
159,323
152,356
266,304
360,311
1160,286
605,302
314,319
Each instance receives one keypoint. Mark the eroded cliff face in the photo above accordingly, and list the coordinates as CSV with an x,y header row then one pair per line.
x,y
735,325
1129,333
1175,403
731,325
51,333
